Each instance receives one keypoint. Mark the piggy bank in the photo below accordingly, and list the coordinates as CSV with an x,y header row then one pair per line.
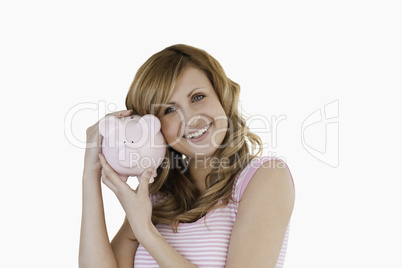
x,y
132,144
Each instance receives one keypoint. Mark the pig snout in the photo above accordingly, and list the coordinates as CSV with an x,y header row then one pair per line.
x,y
128,157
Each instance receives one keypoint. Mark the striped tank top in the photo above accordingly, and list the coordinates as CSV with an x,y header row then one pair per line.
x,y
206,244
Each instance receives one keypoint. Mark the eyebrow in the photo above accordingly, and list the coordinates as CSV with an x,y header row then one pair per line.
x,y
188,95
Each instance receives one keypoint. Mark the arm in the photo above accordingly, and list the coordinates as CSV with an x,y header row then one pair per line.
x,y
95,249
124,245
138,208
263,215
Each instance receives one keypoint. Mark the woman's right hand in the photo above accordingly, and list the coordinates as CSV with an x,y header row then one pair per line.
x,y
94,144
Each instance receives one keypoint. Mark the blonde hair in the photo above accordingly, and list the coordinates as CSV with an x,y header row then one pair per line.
x,y
153,84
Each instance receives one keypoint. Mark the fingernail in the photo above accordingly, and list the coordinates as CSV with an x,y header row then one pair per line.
x,y
150,170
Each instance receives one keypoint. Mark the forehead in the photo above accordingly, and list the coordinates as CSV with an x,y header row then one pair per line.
x,y
191,78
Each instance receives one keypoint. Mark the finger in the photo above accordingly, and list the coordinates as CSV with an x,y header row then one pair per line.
x,y
111,174
143,186
120,112
108,183
123,113
100,139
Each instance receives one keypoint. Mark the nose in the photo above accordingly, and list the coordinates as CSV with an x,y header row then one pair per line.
x,y
192,118
196,121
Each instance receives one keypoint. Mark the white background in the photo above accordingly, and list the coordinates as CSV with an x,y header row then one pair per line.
x,y
290,58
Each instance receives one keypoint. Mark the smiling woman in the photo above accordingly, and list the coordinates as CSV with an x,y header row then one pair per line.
x,y
167,85
215,202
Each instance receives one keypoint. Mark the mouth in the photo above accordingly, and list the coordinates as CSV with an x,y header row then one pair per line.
x,y
199,133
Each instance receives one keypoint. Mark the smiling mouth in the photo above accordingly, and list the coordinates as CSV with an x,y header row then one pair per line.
x,y
198,133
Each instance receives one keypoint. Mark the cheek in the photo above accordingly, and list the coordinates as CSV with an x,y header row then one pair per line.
x,y
222,126
222,122
219,114
170,130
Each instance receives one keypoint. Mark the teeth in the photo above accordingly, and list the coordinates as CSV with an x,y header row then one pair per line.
x,y
197,133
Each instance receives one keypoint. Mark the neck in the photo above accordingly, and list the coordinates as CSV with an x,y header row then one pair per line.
x,y
199,169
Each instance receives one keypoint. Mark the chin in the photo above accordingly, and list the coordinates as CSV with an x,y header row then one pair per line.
x,y
201,153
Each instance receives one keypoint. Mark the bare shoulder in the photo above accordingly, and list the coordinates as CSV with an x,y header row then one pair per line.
x,y
262,218
274,171
271,183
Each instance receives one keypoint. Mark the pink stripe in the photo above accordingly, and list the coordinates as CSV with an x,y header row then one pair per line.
x,y
216,222
224,230
216,228
193,240
212,240
192,250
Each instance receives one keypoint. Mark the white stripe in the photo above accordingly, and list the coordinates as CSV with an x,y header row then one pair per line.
x,y
206,250
210,254
195,236
209,242
197,228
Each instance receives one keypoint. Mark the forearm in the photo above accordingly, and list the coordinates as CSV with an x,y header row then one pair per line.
x,y
163,253
95,249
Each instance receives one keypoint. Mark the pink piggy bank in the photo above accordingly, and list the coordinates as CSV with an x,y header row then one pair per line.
x,y
132,144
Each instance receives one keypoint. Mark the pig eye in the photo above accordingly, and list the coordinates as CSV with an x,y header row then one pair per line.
x,y
132,142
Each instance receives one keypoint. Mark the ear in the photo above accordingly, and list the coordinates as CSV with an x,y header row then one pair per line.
x,y
108,124
151,122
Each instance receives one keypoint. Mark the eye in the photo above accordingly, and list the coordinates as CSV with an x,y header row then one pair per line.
x,y
168,110
197,97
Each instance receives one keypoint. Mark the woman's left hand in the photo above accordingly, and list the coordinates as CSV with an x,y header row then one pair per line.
x,y
136,203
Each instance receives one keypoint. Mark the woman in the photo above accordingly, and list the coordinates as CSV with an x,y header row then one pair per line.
x,y
214,203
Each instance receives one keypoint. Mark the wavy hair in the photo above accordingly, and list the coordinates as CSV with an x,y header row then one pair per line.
x,y
180,200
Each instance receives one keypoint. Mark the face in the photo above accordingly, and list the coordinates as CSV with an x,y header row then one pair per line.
x,y
194,122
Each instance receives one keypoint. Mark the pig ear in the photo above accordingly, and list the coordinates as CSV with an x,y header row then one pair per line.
x,y
152,122
108,124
